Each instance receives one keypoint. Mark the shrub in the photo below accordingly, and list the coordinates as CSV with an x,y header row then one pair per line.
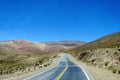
x,y
119,72
114,70
118,49
107,51
106,63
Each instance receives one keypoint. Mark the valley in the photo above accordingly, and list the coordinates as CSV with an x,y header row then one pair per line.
x,y
19,57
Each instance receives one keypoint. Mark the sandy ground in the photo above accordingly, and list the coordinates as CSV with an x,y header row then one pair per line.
x,y
95,73
21,76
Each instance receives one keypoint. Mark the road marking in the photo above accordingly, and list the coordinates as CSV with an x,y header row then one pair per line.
x,y
43,71
84,72
39,73
88,78
62,73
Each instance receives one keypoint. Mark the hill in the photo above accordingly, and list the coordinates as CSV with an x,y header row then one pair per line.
x,y
24,46
112,40
102,53
19,55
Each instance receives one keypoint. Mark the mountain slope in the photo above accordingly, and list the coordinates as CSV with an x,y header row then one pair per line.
x,y
23,46
67,43
21,55
103,53
112,40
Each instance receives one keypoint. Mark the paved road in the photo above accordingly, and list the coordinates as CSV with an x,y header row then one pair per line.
x,y
73,71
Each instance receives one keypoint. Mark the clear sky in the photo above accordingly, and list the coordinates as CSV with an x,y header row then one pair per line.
x,y
56,20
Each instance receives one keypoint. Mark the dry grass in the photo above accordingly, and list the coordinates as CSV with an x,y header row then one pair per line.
x,y
112,40
104,52
11,62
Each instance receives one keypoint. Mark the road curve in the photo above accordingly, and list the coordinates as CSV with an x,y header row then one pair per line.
x,y
64,70
74,72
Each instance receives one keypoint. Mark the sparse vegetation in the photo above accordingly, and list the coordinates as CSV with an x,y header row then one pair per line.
x,y
114,70
104,52
18,63
106,63
22,55
110,41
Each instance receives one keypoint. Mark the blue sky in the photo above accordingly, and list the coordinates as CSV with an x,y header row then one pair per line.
x,y
56,20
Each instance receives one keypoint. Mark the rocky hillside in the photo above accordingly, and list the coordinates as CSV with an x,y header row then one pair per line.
x,y
102,53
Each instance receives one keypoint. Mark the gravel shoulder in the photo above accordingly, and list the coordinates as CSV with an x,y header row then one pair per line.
x,y
95,73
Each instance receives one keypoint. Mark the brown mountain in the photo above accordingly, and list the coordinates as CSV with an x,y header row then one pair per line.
x,y
67,43
23,46
112,40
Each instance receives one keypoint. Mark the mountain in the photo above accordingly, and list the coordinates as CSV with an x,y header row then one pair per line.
x,y
24,46
102,53
19,55
112,40
67,43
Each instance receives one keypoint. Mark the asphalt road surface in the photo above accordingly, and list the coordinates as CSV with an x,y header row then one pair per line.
x,y
72,72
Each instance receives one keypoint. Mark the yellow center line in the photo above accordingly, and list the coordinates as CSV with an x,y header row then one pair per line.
x,y
62,73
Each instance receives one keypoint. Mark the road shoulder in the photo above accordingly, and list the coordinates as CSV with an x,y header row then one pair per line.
x,y
96,73
31,73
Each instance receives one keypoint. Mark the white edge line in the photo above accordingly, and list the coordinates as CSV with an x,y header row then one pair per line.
x,y
39,73
43,71
82,70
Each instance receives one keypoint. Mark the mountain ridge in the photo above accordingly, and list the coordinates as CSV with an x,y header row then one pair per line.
x,y
105,41
25,46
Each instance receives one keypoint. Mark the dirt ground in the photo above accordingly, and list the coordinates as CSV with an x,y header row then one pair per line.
x,y
21,76
95,73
